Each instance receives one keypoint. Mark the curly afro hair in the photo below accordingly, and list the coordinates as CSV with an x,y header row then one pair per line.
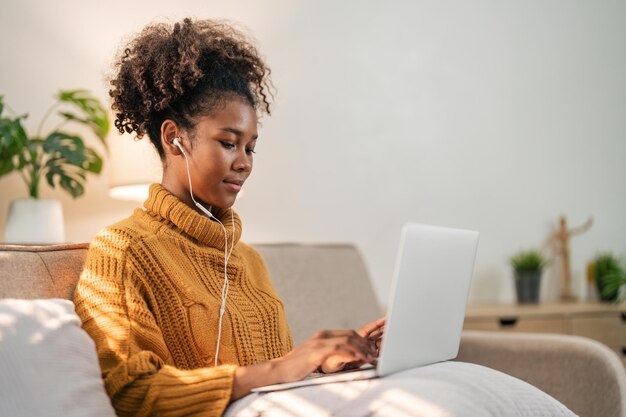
x,y
184,71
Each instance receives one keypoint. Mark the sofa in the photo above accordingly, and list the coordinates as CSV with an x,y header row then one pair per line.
x,y
322,286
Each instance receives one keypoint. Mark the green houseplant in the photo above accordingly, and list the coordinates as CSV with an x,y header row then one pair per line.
x,y
609,275
528,266
59,156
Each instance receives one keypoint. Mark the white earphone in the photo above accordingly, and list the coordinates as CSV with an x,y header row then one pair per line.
x,y
200,206
227,252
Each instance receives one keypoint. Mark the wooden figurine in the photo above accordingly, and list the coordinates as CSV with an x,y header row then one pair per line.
x,y
560,244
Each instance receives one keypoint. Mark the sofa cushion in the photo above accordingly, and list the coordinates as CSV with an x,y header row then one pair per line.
x,y
31,272
48,364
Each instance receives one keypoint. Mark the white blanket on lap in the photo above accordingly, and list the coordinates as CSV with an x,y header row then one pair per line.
x,y
448,389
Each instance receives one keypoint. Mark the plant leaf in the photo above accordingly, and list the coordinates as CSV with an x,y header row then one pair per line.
x,y
69,147
6,166
13,140
612,283
62,158
93,162
531,259
96,116
29,154
13,137
70,181
73,186
69,162
72,116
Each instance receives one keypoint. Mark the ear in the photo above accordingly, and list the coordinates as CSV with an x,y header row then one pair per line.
x,y
169,131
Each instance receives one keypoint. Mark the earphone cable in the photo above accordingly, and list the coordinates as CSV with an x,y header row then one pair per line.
x,y
226,285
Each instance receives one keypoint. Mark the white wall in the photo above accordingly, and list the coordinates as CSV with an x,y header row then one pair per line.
x,y
492,115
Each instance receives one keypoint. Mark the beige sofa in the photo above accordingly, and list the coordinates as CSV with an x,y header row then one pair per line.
x,y
327,286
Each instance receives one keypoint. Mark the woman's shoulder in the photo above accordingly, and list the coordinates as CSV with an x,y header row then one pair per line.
x,y
247,251
116,239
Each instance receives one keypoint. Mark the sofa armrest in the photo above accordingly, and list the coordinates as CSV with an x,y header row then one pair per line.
x,y
583,374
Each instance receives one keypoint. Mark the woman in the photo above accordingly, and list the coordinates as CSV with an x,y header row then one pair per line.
x,y
184,315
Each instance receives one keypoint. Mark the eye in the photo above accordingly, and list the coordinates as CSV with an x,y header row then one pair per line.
x,y
227,145
250,151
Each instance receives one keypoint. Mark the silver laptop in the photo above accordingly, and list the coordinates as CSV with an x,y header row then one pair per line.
x,y
427,303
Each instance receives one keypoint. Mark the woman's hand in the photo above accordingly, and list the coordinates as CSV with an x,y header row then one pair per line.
x,y
332,350
340,349
373,332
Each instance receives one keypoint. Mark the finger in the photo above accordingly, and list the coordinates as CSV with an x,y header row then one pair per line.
x,y
338,357
364,349
367,349
346,354
364,345
371,327
329,334
376,334
352,365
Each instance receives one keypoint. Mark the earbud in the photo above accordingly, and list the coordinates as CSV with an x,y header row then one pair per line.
x,y
177,143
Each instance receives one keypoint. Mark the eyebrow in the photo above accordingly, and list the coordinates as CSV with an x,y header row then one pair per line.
x,y
237,132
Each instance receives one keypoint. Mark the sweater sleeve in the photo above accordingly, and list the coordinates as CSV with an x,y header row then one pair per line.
x,y
131,349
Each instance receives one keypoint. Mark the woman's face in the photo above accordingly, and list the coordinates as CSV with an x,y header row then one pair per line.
x,y
220,153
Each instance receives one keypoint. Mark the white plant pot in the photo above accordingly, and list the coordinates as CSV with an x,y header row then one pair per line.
x,y
33,221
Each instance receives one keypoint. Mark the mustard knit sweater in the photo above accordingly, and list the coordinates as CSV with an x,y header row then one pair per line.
x,y
149,296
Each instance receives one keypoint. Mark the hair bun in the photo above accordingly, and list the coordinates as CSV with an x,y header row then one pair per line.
x,y
176,70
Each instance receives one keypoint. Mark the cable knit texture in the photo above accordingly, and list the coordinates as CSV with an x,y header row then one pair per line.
x,y
149,296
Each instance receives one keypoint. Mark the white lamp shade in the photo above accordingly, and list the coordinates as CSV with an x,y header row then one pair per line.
x,y
134,165
35,222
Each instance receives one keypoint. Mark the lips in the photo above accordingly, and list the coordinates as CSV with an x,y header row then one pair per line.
x,y
233,184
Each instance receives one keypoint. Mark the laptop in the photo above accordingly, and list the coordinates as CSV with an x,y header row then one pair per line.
x,y
427,304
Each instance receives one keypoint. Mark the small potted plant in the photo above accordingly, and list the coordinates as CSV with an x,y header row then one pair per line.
x,y
528,266
58,157
609,275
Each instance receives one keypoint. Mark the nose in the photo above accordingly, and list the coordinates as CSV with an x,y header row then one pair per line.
x,y
243,163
